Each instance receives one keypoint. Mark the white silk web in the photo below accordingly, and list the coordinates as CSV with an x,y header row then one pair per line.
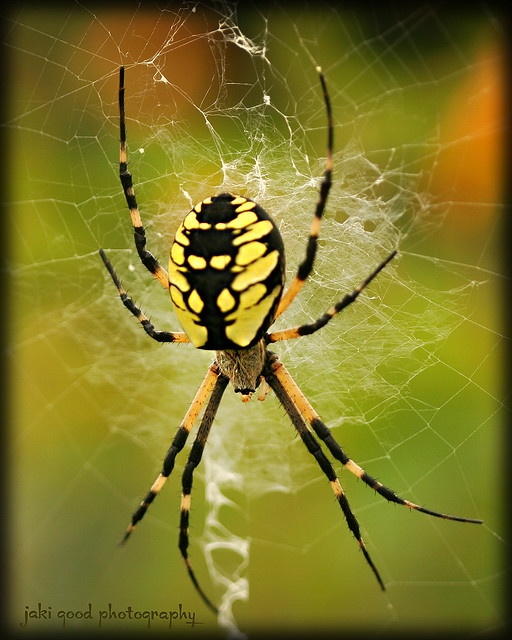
x,y
408,378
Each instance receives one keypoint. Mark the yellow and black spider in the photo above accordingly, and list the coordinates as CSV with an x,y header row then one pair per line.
x,y
226,282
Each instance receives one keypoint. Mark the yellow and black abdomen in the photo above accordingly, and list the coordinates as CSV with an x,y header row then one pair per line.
x,y
226,272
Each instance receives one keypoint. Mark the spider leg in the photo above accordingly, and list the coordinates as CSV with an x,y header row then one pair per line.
x,y
193,460
306,265
159,336
321,430
307,329
177,445
279,384
147,259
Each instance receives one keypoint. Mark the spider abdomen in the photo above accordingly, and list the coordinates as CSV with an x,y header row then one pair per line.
x,y
226,272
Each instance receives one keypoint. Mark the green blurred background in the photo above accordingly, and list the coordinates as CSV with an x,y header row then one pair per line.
x,y
93,402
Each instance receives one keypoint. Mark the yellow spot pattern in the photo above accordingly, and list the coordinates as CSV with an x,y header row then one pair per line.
x,y
177,278
242,330
178,254
220,262
225,300
195,302
256,272
254,232
246,206
250,252
196,262
242,220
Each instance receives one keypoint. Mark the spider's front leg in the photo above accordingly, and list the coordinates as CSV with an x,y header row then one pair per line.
x,y
306,266
147,258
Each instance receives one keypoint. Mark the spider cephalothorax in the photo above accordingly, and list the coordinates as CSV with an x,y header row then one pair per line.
x,y
243,367
226,279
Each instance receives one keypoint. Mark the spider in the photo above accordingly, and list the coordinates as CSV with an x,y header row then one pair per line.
x,y
226,282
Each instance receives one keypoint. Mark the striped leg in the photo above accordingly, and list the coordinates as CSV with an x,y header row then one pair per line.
x,y
193,460
310,415
159,336
177,445
306,265
307,329
279,382
147,259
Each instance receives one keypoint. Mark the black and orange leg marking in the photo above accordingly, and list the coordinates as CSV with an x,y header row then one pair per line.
x,y
310,415
159,336
147,258
177,445
306,265
307,329
278,380
193,460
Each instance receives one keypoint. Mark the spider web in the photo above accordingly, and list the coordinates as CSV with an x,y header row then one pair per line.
x,y
408,378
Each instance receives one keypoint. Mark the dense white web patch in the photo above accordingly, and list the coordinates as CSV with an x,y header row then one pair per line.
x,y
407,378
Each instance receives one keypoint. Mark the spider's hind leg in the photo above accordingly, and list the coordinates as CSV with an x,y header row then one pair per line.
x,y
193,460
279,384
177,445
